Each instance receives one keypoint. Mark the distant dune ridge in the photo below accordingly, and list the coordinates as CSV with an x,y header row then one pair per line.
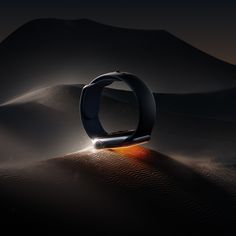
x,y
46,123
48,51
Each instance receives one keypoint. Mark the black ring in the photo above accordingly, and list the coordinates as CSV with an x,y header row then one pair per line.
x,y
89,108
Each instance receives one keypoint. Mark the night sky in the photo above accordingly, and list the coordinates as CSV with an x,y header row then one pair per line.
x,y
208,25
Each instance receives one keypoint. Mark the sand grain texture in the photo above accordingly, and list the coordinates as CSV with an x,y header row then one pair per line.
x,y
116,191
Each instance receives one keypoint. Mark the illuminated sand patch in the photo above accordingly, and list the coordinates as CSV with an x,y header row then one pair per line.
x,y
132,151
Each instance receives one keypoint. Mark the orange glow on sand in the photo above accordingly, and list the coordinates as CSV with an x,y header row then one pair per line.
x,y
132,151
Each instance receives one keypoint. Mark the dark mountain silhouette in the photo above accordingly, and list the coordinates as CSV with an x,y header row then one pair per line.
x,y
48,51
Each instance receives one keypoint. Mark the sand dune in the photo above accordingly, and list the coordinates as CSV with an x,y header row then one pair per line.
x,y
123,190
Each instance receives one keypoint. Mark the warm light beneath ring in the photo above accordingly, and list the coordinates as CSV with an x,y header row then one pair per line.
x,y
134,151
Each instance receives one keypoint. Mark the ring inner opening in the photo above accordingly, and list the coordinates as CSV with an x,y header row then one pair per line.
x,y
118,109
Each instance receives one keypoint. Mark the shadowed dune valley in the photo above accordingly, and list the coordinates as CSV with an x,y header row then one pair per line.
x,y
52,179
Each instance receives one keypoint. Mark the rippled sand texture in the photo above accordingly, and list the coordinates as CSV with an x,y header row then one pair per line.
x,y
122,190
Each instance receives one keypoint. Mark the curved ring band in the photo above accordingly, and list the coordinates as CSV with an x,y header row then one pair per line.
x,y
89,108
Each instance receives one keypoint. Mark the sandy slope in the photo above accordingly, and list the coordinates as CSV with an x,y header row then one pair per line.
x,y
133,189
